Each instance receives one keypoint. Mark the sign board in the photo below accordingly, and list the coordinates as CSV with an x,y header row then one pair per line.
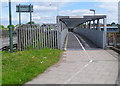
x,y
24,8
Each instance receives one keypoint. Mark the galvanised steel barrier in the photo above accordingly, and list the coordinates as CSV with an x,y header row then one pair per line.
x,y
45,36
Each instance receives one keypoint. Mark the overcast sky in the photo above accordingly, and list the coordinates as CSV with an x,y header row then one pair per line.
x,y
46,11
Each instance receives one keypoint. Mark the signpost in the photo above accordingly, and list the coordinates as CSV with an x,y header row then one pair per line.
x,y
24,8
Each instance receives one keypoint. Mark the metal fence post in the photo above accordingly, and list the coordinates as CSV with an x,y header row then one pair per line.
x,y
10,28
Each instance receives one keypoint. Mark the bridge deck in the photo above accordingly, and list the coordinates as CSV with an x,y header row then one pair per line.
x,y
74,44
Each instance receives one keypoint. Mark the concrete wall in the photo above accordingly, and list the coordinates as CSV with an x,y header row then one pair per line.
x,y
95,36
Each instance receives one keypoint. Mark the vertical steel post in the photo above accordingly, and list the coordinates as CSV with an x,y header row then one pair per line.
x,y
10,28
94,12
93,24
30,16
98,24
90,24
105,32
19,15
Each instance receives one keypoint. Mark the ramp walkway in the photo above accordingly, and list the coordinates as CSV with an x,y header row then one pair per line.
x,y
82,63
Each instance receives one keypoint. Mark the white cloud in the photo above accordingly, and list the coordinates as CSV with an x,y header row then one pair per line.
x,y
110,6
41,11
106,0
111,10
77,12
38,17
19,1
36,7
60,0
45,19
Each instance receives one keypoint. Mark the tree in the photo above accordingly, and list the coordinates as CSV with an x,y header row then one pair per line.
x,y
113,24
1,26
11,25
16,25
32,22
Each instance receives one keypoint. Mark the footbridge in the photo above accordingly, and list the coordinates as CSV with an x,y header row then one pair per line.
x,y
88,26
87,29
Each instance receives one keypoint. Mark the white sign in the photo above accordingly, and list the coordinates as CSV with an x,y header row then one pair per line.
x,y
24,8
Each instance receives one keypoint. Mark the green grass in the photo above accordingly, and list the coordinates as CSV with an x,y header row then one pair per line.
x,y
22,66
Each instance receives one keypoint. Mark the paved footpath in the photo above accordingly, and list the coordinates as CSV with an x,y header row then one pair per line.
x,y
81,67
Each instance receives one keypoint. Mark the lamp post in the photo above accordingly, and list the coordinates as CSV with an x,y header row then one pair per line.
x,y
92,10
57,8
94,15
10,28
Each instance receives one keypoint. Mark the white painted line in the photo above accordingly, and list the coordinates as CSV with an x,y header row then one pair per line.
x,y
82,46
91,61
84,42
86,65
75,74
83,66
66,43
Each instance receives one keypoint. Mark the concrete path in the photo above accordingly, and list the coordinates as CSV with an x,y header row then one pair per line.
x,y
93,66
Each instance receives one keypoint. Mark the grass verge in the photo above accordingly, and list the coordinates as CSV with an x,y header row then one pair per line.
x,y
22,66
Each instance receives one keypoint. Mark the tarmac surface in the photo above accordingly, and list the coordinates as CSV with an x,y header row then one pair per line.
x,y
4,41
82,63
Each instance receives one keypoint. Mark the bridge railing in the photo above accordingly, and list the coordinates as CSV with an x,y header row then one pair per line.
x,y
63,31
96,36
62,37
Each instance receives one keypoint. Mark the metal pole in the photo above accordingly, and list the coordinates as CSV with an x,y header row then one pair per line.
x,y
105,32
98,24
19,15
94,12
94,20
93,17
10,28
57,10
30,16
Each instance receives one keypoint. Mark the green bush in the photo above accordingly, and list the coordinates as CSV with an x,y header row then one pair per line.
x,y
32,22
1,26
11,25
